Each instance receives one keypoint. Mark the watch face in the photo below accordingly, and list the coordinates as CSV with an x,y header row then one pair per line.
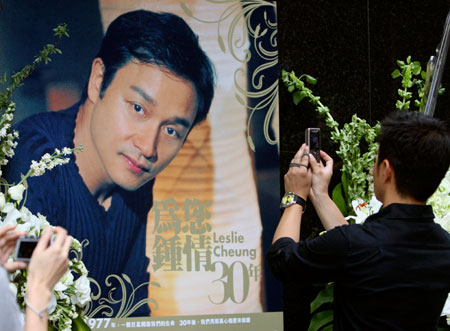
x,y
287,200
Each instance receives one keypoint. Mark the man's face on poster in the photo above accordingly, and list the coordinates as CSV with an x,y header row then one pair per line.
x,y
141,122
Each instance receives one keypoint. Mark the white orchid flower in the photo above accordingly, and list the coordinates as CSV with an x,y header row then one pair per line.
x,y
12,214
52,304
16,192
83,291
2,201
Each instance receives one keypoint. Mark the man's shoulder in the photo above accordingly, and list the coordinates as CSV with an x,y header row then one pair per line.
x,y
39,134
47,123
354,236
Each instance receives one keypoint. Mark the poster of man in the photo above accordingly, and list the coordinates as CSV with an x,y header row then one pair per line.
x,y
164,202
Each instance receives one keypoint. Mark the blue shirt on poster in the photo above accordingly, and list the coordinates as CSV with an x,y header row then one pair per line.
x,y
116,237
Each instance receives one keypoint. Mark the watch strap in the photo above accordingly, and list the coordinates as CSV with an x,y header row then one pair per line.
x,y
295,199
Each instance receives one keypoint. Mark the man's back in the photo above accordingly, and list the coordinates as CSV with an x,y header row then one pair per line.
x,y
391,273
397,271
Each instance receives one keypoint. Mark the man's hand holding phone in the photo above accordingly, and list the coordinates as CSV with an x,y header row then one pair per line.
x,y
321,176
298,177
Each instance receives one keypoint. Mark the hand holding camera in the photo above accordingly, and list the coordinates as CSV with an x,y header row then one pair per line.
x,y
8,239
49,262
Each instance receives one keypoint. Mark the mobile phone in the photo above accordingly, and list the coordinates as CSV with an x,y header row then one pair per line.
x,y
312,137
25,246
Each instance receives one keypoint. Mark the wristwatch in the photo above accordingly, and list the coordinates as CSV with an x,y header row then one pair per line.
x,y
291,198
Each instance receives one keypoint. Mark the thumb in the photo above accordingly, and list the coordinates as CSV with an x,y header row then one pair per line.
x,y
44,241
313,163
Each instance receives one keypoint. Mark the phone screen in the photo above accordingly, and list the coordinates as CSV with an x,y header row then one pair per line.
x,y
313,141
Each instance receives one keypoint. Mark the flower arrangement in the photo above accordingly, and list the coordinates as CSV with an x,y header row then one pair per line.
x,y
72,292
354,194
69,296
356,180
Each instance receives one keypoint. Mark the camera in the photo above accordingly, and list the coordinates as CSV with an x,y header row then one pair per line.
x,y
25,246
312,137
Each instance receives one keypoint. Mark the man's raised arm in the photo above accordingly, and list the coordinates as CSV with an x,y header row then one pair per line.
x,y
328,212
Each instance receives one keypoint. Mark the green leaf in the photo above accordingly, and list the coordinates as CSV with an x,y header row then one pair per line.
x,y
321,319
401,64
311,80
298,96
408,59
291,88
395,73
324,296
423,74
79,325
416,67
24,181
338,198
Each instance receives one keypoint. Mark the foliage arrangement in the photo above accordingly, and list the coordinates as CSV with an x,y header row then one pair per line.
x,y
412,75
72,292
354,194
356,178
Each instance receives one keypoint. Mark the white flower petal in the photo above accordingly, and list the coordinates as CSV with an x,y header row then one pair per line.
x,y
16,192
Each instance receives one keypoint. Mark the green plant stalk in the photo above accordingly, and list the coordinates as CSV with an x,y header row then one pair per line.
x,y
356,168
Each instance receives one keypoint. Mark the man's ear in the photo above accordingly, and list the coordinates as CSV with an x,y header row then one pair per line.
x,y
95,80
388,170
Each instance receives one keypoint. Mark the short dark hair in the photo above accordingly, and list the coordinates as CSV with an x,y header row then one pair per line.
x,y
418,148
161,39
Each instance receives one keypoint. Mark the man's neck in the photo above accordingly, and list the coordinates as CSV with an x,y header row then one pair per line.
x,y
88,162
394,197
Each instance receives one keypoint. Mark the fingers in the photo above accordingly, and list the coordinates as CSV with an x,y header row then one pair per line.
x,y
6,229
302,150
44,241
61,235
301,158
327,159
66,246
13,266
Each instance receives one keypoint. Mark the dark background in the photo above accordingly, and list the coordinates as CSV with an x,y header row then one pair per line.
x,y
351,47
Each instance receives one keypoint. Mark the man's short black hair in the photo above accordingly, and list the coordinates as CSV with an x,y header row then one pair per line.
x,y
161,39
418,148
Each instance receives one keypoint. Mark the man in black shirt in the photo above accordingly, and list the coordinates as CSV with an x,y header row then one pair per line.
x,y
393,271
